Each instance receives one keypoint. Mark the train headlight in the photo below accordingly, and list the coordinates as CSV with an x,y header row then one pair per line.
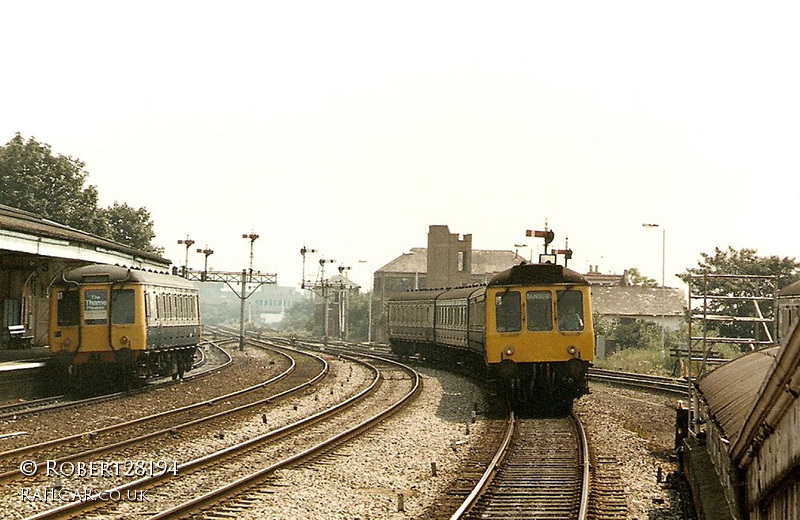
x,y
125,340
509,350
67,343
572,350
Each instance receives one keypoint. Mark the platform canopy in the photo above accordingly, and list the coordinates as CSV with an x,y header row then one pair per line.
x,y
25,233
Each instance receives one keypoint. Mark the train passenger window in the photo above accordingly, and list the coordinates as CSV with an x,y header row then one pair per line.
x,y
507,308
570,310
539,310
95,306
68,308
122,303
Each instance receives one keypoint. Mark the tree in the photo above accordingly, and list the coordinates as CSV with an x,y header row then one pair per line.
x,y
132,227
299,317
33,179
358,317
636,278
746,262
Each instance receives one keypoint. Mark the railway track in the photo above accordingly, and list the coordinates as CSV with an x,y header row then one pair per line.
x,y
51,403
540,470
678,387
224,480
124,435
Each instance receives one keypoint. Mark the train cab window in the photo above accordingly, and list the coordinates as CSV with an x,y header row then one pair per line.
x,y
508,311
95,306
122,306
570,310
69,313
539,310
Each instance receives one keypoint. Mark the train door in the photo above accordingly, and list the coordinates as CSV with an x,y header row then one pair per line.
x,y
65,319
127,327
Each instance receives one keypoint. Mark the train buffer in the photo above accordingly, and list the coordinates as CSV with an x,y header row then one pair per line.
x,y
15,337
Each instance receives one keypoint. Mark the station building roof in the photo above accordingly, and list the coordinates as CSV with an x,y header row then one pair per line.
x,y
483,261
638,301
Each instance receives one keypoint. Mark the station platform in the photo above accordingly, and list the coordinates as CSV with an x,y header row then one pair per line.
x,y
21,372
709,497
21,355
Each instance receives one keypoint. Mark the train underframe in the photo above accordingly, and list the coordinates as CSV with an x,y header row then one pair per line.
x,y
124,368
553,385
556,384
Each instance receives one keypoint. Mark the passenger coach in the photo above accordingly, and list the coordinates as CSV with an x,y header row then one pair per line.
x,y
119,325
531,326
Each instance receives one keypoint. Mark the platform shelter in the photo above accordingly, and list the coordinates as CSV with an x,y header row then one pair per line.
x,y
33,251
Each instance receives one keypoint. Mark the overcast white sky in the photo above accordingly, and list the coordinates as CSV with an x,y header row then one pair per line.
x,y
352,126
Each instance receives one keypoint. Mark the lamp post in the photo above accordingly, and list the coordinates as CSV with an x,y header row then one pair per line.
x,y
663,287
516,251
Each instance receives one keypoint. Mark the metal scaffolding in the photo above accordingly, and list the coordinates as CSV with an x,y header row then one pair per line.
x,y
748,293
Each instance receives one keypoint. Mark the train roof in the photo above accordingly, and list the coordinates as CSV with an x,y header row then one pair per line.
x,y
523,274
442,292
538,274
417,295
99,273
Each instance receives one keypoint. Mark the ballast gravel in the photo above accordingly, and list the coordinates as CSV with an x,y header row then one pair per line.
x,y
388,473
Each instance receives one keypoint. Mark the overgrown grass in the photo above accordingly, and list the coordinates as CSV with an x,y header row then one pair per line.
x,y
638,360
648,360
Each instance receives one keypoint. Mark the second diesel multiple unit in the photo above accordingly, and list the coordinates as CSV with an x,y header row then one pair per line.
x,y
122,326
531,326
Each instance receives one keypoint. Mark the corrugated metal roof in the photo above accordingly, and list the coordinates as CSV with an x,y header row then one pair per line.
x,y
634,300
731,389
